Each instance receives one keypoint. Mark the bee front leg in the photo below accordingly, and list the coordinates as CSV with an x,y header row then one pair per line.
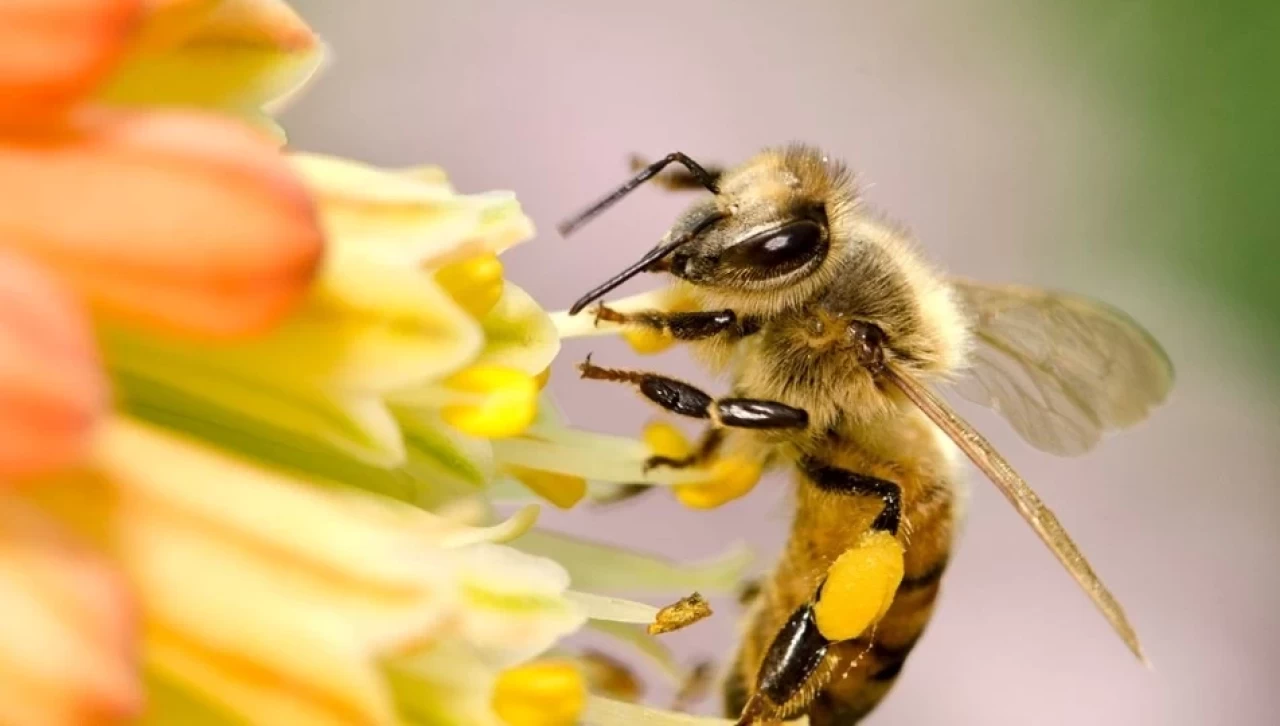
x,y
698,325
687,400
853,596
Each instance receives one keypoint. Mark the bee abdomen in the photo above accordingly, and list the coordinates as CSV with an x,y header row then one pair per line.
x,y
858,673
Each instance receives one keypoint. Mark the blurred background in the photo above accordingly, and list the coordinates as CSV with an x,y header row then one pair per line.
x,y
1125,150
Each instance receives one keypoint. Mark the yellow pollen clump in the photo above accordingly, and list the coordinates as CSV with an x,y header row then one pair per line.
x,y
860,587
647,341
545,693
474,283
562,490
496,402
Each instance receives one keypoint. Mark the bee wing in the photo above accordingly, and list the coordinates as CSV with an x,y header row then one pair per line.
x,y
1023,498
1062,369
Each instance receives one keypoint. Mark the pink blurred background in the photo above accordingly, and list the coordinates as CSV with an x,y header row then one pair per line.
x,y
964,123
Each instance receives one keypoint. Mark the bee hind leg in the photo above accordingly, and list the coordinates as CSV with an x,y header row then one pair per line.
x,y
854,595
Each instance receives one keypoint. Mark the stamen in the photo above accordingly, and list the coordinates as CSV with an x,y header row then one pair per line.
x,y
496,402
562,490
729,478
681,614
544,693
474,283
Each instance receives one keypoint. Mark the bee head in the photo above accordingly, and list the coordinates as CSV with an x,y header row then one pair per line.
x,y
765,233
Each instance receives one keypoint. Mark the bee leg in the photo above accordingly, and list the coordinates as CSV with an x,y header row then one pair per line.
x,y
687,400
855,593
698,325
679,180
790,663
749,591
711,441
709,445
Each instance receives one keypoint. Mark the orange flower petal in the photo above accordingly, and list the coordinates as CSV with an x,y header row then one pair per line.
x,y
270,22
52,390
175,219
67,628
168,22
56,51
238,55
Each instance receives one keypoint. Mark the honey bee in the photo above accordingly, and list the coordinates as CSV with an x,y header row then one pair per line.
x,y
833,332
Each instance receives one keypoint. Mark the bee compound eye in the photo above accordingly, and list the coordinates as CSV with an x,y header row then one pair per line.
x,y
778,251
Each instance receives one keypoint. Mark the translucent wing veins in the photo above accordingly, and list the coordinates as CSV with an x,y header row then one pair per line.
x,y
1062,369
1023,498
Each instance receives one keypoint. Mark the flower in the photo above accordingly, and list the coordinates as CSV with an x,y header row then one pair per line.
x,y
257,407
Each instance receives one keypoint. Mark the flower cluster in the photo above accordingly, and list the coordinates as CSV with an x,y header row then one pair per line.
x,y
255,405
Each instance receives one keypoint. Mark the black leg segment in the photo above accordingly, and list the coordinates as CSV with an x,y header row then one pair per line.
x,y
707,448
791,660
688,400
685,325
842,481
751,413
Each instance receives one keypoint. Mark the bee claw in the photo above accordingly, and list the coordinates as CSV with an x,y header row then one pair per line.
x,y
751,713
653,462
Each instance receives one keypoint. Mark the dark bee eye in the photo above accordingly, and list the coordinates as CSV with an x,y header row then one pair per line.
x,y
777,251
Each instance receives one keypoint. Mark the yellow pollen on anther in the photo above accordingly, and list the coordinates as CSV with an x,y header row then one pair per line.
x,y
542,378
562,490
727,479
474,283
666,440
860,587
495,402
544,693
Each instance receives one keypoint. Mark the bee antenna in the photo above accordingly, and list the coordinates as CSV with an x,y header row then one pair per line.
x,y
706,178
652,256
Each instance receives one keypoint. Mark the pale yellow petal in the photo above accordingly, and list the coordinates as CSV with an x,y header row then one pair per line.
x,y
448,684
239,54
518,333
514,603
402,219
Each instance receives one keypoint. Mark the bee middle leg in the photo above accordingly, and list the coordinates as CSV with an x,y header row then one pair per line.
x,y
687,400
708,446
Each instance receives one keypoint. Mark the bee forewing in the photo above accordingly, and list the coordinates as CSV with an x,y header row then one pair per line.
x,y
1020,494
1062,369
